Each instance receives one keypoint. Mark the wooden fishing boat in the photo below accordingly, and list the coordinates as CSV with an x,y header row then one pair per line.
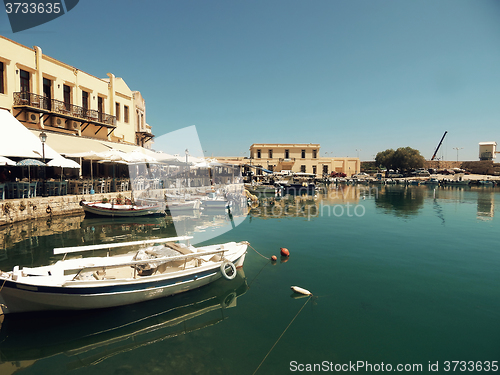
x,y
163,269
121,210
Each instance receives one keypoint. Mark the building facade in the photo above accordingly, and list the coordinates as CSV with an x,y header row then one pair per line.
x,y
487,150
300,157
46,94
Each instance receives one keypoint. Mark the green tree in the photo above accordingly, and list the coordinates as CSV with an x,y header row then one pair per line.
x,y
385,158
407,158
404,159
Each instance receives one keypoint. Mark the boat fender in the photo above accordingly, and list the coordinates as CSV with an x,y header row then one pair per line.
x,y
81,202
48,210
228,270
284,252
298,289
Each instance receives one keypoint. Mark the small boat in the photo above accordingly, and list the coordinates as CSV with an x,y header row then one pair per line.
x,y
181,206
121,210
456,182
215,201
163,269
486,183
264,189
431,181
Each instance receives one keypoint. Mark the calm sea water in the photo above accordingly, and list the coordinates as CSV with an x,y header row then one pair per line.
x,y
400,276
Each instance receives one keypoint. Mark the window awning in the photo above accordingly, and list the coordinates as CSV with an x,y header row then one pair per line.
x,y
17,141
70,144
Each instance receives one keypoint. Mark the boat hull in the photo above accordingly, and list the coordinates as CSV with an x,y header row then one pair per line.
x,y
17,297
108,210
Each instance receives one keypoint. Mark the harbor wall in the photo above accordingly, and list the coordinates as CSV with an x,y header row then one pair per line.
x,y
15,210
485,167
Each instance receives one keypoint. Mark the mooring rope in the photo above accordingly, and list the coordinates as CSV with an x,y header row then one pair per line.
x,y
258,273
257,251
279,338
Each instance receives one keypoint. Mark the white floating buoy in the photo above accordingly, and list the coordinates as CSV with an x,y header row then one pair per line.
x,y
298,289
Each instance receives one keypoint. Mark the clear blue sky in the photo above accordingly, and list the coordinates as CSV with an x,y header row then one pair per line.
x,y
351,75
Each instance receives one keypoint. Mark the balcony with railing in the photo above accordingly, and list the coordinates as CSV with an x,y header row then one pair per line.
x,y
67,110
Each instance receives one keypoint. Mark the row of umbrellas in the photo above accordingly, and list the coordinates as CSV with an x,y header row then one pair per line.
x,y
56,162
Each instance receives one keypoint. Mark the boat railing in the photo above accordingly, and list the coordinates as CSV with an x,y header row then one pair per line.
x,y
74,249
157,261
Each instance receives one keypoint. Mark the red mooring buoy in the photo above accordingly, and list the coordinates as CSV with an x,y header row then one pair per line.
x,y
284,252
274,258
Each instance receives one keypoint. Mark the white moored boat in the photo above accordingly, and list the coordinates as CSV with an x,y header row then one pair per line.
x,y
216,201
121,210
163,269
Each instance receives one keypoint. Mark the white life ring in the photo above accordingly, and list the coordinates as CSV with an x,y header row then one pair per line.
x,y
224,270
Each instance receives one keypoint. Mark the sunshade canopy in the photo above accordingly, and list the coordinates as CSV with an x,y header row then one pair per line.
x,y
63,163
18,141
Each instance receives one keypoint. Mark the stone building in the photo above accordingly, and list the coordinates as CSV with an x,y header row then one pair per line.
x,y
48,95
296,157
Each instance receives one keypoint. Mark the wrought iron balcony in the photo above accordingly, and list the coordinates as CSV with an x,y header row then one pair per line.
x,y
29,99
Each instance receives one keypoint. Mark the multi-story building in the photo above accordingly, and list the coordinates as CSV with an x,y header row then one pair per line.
x,y
303,158
297,157
46,94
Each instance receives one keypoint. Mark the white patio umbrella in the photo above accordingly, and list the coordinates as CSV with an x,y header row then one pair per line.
x,y
89,155
6,161
112,155
138,157
63,163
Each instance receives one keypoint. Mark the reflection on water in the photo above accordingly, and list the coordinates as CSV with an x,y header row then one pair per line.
x,y
325,201
431,291
406,201
101,334
486,205
401,200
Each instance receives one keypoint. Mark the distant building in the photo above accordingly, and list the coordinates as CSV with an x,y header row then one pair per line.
x,y
487,150
299,157
46,94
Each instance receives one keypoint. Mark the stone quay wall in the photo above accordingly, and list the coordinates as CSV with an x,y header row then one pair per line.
x,y
15,210
484,167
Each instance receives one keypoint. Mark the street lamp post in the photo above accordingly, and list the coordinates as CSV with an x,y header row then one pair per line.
x,y
43,139
187,168
457,148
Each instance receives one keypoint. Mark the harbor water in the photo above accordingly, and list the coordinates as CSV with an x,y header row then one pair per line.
x,y
404,279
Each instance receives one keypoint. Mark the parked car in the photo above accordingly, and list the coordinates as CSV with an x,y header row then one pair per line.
x,y
421,172
392,174
338,174
360,175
